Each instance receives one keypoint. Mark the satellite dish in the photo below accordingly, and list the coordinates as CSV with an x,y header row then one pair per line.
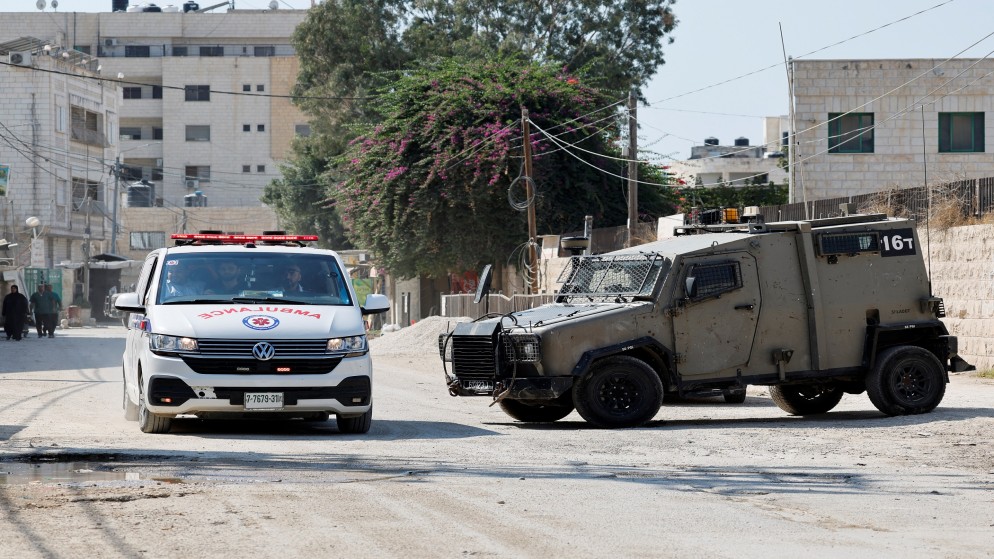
x,y
40,4
55,3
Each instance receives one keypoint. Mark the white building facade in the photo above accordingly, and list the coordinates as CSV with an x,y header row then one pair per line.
x,y
861,126
204,109
58,125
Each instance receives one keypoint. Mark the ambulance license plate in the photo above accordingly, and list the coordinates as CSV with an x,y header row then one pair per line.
x,y
263,400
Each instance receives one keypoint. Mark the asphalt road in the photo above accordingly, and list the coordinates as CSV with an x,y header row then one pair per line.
x,y
445,477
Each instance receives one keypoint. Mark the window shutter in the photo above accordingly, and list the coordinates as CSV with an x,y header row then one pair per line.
x,y
944,133
978,132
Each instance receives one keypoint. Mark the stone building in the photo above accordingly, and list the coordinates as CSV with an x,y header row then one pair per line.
x,y
861,128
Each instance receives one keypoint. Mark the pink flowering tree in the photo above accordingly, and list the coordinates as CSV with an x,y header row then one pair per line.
x,y
431,188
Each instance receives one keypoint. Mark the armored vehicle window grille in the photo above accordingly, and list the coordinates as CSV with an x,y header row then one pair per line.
x,y
715,279
625,275
848,243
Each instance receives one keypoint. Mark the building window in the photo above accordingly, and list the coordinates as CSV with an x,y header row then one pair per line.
x,y
246,128
961,132
260,87
211,51
198,133
302,129
83,192
261,128
246,87
131,133
850,133
156,92
179,51
200,173
265,51
148,240
156,133
85,49
60,118
198,92
132,93
246,168
260,168
137,51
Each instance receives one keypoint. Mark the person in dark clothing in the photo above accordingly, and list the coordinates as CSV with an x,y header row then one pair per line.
x,y
54,307
39,304
14,311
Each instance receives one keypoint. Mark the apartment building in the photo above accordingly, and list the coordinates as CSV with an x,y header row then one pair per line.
x,y
57,125
869,125
204,114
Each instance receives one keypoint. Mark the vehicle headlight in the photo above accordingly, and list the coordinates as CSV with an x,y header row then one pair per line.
x,y
351,346
160,343
524,348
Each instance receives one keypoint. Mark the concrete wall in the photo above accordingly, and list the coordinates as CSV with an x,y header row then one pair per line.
x,y
963,275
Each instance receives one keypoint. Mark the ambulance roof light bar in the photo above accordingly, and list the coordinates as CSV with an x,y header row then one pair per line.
x,y
183,239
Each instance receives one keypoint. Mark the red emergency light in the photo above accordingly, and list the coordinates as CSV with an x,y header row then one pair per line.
x,y
241,239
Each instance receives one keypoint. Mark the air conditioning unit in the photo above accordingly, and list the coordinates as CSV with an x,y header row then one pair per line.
x,y
19,58
193,183
110,42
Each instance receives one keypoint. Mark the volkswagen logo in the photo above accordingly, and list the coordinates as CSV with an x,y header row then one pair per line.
x,y
263,351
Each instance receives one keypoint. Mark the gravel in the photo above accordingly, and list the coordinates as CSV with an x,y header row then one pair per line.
x,y
418,340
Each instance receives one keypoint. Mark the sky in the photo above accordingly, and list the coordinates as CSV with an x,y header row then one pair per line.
x,y
699,92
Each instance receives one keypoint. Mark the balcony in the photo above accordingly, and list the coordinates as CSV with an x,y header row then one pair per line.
x,y
89,137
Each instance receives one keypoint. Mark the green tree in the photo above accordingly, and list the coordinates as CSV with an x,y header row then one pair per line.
x,y
428,188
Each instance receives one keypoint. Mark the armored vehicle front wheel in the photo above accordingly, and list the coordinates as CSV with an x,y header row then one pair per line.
x,y
618,391
806,399
538,411
906,380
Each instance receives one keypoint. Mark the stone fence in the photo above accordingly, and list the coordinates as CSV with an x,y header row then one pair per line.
x,y
962,263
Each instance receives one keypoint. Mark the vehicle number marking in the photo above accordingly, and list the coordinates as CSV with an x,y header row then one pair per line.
x,y
899,242
263,400
484,386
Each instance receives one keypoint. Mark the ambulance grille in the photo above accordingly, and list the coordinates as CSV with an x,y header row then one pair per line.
x,y
243,348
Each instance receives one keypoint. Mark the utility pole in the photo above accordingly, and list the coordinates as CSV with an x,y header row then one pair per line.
x,y
117,202
633,168
530,199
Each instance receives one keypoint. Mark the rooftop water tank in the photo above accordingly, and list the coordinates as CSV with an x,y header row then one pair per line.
x,y
741,141
119,6
711,141
151,8
134,8
190,7
170,8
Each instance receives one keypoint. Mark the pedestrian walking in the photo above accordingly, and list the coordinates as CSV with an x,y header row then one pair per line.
x,y
14,312
39,305
54,308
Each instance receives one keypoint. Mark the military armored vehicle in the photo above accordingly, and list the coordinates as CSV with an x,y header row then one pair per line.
x,y
813,309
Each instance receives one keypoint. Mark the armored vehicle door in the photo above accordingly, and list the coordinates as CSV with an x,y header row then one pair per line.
x,y
715,315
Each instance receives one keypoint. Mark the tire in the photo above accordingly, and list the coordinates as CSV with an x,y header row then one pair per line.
x,y
618,391
806,399
356,425
149,422
734,395
318,417
538,411
906,380
130,409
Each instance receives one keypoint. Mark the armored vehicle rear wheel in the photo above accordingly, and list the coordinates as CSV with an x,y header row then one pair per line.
x,y
538,411
906,380
806,399
618,391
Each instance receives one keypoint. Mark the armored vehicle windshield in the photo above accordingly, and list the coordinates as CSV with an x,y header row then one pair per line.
x,y
588,278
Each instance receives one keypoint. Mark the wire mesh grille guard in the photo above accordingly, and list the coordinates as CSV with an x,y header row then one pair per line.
x,y
610,276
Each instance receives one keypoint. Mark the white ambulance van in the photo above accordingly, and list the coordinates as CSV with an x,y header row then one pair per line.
x,y
236,325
